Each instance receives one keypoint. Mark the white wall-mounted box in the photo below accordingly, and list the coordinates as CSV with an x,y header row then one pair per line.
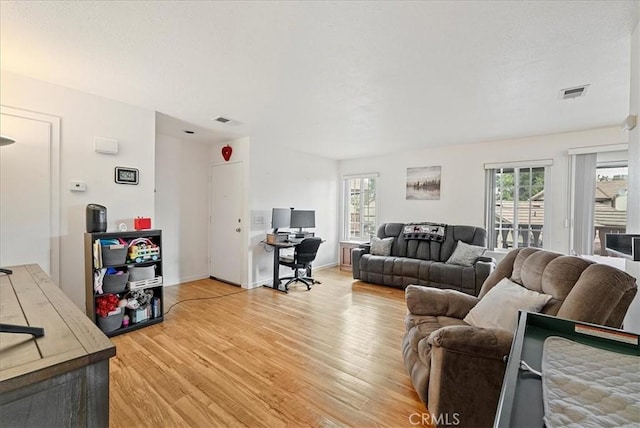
x,y
105,145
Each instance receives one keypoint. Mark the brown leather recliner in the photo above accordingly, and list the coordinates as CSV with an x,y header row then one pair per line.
x,y
457,369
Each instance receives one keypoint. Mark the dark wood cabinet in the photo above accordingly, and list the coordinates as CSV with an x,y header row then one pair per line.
x,y
124,264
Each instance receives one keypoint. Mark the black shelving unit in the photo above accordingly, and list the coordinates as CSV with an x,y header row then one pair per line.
x,y
91,268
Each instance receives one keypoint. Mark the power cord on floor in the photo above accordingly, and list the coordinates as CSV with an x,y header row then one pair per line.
x,y
204,298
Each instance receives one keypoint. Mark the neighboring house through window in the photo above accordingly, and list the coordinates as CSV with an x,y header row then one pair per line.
x,y
599,196
610,205
515,212
359,197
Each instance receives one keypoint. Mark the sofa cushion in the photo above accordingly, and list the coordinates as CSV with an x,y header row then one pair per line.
x,y
452,275
522,254
381,247
465,254
410,268
499,307
394,230
430,250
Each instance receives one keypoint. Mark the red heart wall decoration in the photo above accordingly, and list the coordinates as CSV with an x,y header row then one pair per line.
x,y
226,152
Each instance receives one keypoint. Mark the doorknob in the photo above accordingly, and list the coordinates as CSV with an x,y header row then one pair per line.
x,y
237,229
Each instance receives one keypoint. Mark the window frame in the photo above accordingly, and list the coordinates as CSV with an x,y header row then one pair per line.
x,y
346,204
611,155
490,201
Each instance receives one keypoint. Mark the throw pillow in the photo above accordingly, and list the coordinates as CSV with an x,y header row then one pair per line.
x,y
465,254
499,307
381,247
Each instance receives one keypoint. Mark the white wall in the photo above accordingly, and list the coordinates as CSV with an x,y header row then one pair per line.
x,y
182,208
83,117
281,178
462,187
632,320
633,207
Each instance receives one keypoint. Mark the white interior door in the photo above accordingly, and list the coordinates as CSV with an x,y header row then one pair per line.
x,y
25,193
227,229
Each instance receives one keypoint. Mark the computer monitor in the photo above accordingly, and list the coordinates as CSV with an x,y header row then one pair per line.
x,y
280,218
302,219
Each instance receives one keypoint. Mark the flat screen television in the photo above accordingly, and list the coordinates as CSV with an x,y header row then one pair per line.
x,y
301,219
280,218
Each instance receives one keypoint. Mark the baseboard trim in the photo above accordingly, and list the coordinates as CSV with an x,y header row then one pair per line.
x,y
256,284
190,278
327,266
225,281
268,280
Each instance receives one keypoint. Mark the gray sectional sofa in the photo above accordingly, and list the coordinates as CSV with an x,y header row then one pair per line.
x,y
423,261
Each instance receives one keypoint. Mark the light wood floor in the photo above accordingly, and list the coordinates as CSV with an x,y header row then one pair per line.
x,y
326,357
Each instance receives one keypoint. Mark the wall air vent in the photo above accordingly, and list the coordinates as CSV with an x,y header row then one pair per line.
x,y
222,119
572,93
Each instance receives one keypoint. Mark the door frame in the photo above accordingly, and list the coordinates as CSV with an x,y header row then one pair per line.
x,y
243,214
54,180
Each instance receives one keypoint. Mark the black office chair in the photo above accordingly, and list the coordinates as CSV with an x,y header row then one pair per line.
x,y
304,253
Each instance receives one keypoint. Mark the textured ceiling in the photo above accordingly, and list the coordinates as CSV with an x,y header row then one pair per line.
x,y
338,79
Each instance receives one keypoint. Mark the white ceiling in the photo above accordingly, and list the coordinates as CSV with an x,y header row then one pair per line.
x,y
337,79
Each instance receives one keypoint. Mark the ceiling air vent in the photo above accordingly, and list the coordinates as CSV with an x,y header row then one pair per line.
x,y
571,93
226,121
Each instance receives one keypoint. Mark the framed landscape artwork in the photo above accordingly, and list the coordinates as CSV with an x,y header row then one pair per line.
x,y
423,183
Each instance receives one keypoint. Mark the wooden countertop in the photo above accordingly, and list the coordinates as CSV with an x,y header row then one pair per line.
x,y
29,297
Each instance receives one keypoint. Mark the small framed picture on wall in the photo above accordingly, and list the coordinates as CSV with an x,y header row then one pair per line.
x,y
423,183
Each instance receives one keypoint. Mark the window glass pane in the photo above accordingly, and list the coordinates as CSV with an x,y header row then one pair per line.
x,y
361,208
518,210
354,208
610,204
369,208
505,184
524,184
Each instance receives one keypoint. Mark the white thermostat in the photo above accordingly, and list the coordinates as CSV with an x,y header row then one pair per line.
x,y
77,186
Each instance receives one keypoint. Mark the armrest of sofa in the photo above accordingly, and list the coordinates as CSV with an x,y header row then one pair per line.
x,y
437,302
484,267
492,343
467,369
486,259
356,253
